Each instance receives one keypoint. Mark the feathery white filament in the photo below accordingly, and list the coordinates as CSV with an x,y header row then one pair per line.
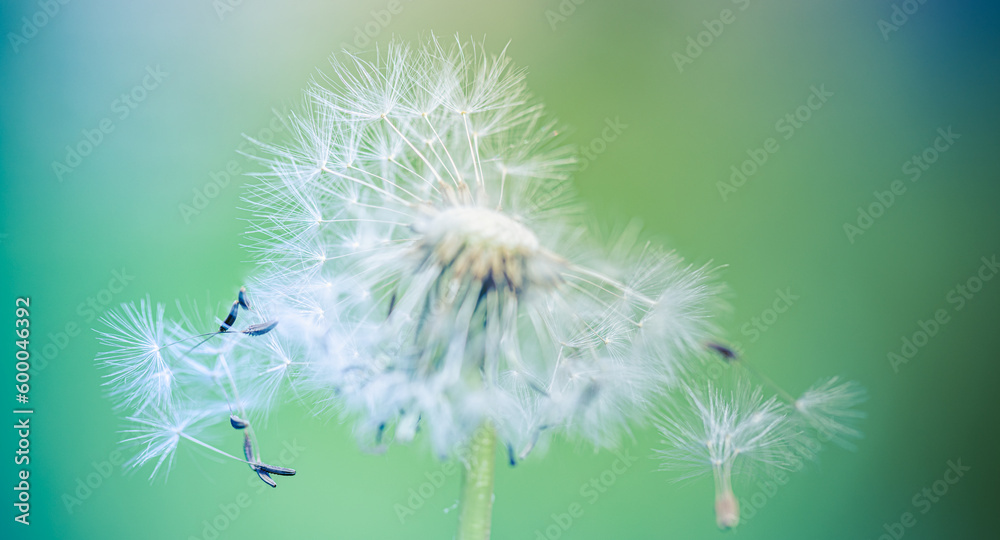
x,y
423,209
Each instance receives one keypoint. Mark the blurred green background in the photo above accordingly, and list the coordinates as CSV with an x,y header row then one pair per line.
x,y
223,66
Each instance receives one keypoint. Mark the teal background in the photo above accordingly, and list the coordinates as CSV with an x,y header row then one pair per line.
x,y
120,209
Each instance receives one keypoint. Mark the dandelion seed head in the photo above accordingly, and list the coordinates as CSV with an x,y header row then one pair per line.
x,y
425,268
419,241
454,278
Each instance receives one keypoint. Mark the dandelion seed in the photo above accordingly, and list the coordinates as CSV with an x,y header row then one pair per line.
x,y
825,412
725,352
157,434
140,371
263,475
248,450
260,329
392,304
281,471
727,433
231,318
243,299
263,470
237,422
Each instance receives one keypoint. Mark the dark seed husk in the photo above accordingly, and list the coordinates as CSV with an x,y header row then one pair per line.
x,y
265,477
260,329
228,323
237,422
248,449
243,300
281,471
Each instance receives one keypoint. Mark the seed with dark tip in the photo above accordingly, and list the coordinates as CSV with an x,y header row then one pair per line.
x,y
281,471
726,353
265,477
510,455
260,329
242,298
228,323
237,422
392,304
248,449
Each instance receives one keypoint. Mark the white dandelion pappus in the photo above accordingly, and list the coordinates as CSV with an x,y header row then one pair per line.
x,y
157,433
420,243
728,433
176,379
138,369
828,410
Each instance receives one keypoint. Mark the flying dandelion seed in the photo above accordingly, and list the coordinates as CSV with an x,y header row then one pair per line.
x,y
174,390
728,433
157,434
829,409
733,430
139,373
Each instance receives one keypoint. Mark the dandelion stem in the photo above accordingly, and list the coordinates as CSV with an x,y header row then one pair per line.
x,y
476,503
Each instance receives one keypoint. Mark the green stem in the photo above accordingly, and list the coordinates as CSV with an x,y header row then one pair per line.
x,y
476,503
